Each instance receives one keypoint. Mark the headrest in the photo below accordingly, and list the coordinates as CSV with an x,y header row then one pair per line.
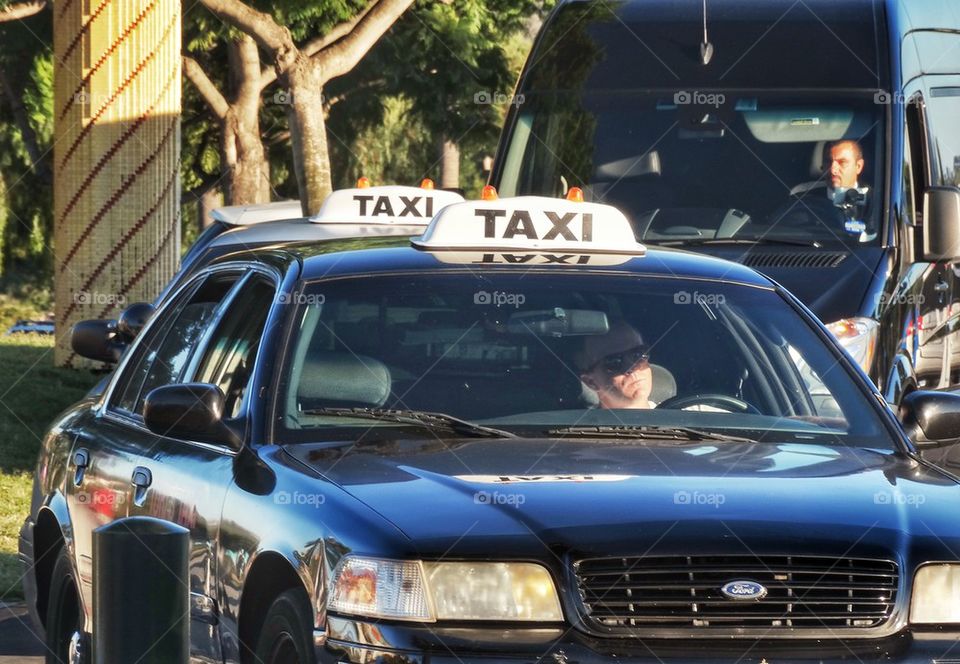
x,y
344,379
816,159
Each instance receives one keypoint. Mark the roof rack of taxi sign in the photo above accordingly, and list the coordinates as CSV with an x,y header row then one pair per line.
x,y
363,204
530,230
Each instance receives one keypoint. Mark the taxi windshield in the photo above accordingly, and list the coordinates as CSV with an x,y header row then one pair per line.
x,y
534,352
696,167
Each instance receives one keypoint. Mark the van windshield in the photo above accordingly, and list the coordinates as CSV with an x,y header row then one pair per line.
x,y
709,166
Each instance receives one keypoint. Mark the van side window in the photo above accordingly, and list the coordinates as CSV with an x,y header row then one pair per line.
x,y
908,207
943,112
916,161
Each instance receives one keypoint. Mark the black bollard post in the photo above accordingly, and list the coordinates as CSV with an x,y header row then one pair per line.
x,y
141,592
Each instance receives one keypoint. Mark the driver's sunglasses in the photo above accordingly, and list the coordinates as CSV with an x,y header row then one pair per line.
x,y
623,362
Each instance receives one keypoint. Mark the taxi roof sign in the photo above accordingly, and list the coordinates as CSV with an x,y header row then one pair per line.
x,y
392,204
531,224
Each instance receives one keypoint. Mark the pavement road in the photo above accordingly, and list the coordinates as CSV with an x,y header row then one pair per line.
x,y
18,643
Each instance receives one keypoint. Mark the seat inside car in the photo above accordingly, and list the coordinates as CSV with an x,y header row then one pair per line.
x,y
342,380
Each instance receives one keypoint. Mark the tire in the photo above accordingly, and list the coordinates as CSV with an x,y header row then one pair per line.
x,y
64,615
287,633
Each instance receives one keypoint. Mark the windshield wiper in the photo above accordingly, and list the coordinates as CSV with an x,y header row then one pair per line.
x,y
416,417
734,240
646,433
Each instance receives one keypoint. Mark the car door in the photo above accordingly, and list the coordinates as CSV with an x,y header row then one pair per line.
x,y
188,479
106,480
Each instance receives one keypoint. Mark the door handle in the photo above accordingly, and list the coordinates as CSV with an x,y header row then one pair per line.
x,y
941,287
141,480
81,459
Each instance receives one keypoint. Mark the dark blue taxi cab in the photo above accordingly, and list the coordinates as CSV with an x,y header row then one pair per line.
x,y
519,436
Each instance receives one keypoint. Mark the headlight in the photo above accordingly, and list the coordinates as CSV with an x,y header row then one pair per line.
x,y
427,591
936,595
859,337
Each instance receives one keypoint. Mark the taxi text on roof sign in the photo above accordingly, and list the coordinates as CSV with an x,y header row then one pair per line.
x,y
531,223
392,204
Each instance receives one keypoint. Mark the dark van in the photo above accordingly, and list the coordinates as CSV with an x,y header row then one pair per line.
x,y
817,141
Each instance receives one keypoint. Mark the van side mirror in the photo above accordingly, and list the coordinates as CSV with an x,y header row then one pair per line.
x,y
97,340
191,411
941,224
931,419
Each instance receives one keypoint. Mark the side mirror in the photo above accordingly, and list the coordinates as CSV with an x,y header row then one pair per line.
x,y
931,419
133,319
192,411
941,224
97,340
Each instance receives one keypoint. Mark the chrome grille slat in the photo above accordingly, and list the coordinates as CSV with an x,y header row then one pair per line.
x,y
803,592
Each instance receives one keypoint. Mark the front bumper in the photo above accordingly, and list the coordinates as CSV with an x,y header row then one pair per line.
x,y
355,642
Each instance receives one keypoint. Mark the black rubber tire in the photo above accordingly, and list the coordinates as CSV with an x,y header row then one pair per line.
x,y
287,633
64,616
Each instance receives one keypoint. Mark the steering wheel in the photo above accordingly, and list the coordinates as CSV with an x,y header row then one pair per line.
x,y
722,401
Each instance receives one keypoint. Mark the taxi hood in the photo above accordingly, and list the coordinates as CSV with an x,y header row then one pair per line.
x,y
623,497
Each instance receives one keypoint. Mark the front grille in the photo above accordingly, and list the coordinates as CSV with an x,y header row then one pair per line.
x,y
795,259
803,592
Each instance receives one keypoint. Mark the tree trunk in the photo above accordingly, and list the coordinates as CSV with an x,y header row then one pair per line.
x,y
311,159
449,164
248,180
209,201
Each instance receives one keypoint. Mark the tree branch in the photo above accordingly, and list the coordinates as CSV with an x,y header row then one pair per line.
x,y
337,33
214,98
22,10
38,164
340,57
257,24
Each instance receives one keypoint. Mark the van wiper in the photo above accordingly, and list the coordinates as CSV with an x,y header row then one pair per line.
x,y
741,240
646,433
416,417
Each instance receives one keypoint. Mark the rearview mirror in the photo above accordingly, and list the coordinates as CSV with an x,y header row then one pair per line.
x,y
559,322
941,224
931,419
190,411
97,340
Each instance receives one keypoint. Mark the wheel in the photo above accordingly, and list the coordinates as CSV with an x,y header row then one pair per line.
x,y
64,616
287,633
722,401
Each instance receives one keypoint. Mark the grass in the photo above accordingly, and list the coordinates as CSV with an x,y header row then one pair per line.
x,y
32,392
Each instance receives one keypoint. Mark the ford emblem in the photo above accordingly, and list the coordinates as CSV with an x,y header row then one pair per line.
x,y
745,590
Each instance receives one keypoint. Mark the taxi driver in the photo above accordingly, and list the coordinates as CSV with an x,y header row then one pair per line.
x,y
617,366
